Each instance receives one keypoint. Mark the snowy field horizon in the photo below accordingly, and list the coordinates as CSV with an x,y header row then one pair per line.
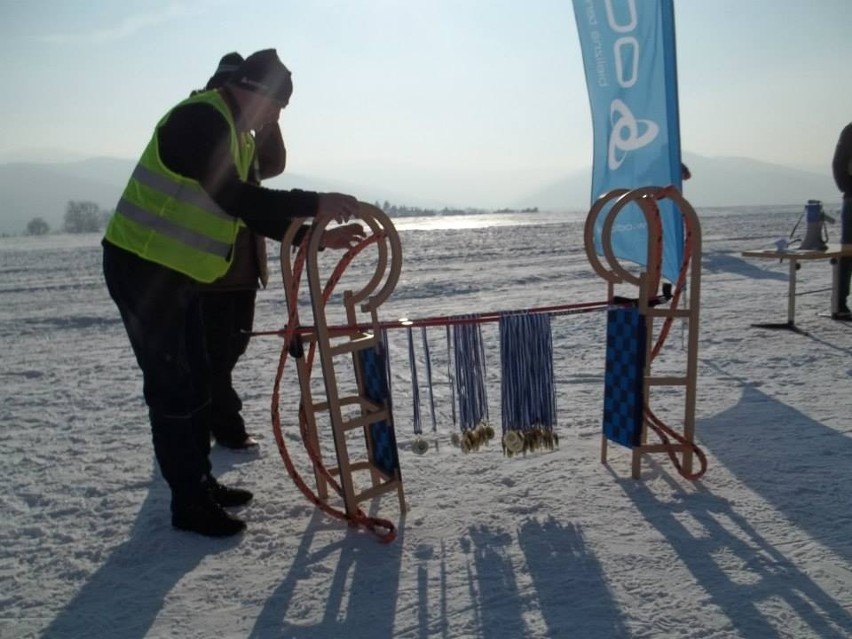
x,y
551,544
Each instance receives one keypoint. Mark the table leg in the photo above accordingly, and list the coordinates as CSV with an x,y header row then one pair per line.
x,y
791,293
790,324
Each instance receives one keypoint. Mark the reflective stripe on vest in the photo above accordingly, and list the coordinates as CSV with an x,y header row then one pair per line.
x,y
182,194
165,226
179,192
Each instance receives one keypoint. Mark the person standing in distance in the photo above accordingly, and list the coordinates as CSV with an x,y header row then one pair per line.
x,y
175,227
841,167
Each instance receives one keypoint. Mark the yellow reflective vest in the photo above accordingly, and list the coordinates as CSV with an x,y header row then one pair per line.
x,y
170,219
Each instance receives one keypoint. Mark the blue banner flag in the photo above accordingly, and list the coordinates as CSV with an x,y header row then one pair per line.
x,y
629,57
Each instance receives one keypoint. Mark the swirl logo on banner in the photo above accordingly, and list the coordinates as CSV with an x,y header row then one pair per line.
x,y
629,58
626,134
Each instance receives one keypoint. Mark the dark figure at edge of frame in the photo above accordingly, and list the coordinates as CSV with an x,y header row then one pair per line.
x,y
175,227
228,303
841,167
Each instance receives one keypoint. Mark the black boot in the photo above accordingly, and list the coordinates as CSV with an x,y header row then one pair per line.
x,y
224,496
205,517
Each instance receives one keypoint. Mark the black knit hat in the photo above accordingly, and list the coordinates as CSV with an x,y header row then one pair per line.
x,y
262,72
229,63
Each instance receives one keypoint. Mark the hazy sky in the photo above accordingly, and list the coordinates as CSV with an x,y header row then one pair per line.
x,y
445,90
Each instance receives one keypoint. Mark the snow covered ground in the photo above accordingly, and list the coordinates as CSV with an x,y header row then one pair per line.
x,y
553,544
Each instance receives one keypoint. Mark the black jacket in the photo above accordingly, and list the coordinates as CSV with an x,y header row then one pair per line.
x,y
841,165
194,142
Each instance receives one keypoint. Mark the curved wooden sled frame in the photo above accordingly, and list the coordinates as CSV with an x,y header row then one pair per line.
x,y
338,404
648,281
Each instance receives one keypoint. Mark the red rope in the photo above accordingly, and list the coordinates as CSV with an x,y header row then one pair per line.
x,y
657,425
664,432
681,279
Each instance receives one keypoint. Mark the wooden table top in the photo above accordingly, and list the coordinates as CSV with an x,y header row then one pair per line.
x,y
833,250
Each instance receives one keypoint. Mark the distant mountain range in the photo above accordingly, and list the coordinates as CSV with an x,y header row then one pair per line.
x,y
43,189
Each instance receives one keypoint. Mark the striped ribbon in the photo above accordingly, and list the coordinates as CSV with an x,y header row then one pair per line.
x,y
428,359
469,355
527,387
450,375
385,346
415,386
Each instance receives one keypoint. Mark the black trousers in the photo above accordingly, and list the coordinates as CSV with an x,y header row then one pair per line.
x,y
228,318
845,268
161,311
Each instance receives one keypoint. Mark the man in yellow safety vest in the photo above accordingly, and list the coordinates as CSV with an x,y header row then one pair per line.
x,y
175,226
